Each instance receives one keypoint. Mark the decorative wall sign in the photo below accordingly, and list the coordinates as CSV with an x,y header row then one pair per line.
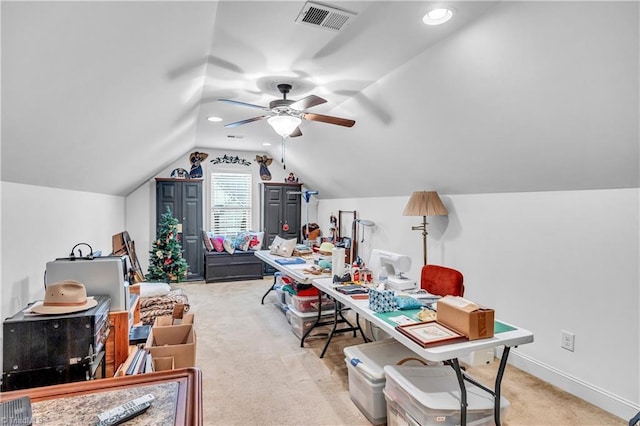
x,y
264,162
225,159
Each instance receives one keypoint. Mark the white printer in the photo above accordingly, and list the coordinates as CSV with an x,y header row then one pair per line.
x,y
101,276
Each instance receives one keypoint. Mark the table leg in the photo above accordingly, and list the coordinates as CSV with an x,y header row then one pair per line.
x,y
360,328
333,328
463,391
306,333
498,384
269,291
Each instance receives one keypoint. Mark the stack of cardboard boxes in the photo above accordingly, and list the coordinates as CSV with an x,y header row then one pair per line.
x,y
171,343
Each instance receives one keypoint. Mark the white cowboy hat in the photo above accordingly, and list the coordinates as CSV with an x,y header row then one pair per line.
x,y
64,297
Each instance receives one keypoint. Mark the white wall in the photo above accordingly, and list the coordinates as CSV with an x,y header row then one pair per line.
x,y
40,224
547,262
140,205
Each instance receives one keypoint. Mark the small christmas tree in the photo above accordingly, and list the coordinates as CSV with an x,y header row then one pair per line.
x,y
165,258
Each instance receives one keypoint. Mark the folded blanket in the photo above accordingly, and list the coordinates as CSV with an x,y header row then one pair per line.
x,y
152,307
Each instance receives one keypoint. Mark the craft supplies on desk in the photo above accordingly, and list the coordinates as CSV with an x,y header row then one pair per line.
x,y
290,261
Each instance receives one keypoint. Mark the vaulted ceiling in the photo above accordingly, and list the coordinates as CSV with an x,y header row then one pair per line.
x,y
507,96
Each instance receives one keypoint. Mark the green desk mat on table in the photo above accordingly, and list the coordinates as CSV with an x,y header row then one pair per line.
x,y
498,327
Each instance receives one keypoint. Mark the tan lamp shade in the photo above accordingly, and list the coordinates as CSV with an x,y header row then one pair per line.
x,y
425,203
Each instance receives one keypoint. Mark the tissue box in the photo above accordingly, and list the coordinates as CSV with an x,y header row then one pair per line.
x,y
466,317
382,300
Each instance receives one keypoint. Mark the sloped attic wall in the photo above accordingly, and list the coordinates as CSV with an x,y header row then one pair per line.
x,y
535,96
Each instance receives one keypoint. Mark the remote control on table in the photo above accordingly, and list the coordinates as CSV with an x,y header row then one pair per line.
x,y
125,415
134,404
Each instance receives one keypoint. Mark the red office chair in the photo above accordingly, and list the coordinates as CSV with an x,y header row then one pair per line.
x,y
441,280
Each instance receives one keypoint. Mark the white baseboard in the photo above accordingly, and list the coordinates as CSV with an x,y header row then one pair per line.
x,y
599,397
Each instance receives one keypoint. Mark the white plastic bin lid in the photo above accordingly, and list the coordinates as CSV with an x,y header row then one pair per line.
x,y
437,388
370,358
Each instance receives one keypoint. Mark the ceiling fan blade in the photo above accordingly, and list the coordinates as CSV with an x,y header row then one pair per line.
x,y
231,101
328,119
308,102
248,120
297,132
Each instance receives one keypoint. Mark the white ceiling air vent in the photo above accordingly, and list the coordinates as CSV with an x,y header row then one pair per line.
x,y
324,16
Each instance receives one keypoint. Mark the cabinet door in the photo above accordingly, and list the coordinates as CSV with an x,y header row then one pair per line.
x,y
167,196
184,199
272,213
192,228
291,214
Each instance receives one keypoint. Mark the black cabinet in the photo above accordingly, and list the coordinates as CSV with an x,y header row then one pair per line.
x,y
184,199
281,211
280,214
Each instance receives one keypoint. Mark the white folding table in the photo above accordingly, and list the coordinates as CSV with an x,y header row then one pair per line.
x,y
448,353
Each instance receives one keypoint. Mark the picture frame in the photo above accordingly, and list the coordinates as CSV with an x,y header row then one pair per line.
x,y
430,333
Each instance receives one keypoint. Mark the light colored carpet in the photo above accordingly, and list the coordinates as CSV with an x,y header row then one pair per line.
x,y
256,373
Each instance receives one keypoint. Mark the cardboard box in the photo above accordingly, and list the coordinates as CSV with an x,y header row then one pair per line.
x,y
167,320
466,317
163,363
177,341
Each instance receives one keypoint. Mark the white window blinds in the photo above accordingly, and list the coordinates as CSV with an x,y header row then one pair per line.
x,y
230,203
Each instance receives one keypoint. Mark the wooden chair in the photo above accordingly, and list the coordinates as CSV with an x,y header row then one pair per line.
x,y
442,281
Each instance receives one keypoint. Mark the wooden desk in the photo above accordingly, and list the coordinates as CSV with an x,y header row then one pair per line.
x,y
178,395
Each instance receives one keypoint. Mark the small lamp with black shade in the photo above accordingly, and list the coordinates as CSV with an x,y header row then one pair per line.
x,y
424,203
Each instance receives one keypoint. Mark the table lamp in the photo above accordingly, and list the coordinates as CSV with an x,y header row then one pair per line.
x,y
424,203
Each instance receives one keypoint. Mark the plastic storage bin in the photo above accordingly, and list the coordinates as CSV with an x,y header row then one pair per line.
x,y
301,322
431,396
310,303
365,365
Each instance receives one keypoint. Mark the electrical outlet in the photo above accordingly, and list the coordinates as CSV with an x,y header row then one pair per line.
x,y
568,341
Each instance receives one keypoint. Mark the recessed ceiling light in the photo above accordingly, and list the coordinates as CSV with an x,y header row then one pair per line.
x,y
437,16
266,143
212,118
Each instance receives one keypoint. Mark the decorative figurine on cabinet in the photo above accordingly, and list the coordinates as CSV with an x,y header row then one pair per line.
x,y
291,178
195,158
180,173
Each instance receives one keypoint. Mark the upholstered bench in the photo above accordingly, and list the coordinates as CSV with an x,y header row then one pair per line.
x,y
241,265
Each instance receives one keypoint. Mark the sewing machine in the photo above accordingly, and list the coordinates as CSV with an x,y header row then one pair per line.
x,y
395,265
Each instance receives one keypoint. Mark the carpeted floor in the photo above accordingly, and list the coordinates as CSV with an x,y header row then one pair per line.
x,y
256,373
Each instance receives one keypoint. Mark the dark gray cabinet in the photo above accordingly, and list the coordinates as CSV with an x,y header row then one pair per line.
x,y
281,211
184,199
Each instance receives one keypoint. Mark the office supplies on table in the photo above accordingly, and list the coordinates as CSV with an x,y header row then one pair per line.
x,y
290,261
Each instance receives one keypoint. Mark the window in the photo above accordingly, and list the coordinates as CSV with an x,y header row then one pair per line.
x,y
230,203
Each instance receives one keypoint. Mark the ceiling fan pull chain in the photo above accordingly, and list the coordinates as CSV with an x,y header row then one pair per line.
x,y
284,166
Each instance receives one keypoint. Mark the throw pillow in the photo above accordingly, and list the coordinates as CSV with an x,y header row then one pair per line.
x,y
154,289
255,243
207,241
282,247
218,244
228,246
242,241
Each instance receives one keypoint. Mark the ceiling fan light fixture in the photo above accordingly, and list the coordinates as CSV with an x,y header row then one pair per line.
x,y
437,16
214,119
284,125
